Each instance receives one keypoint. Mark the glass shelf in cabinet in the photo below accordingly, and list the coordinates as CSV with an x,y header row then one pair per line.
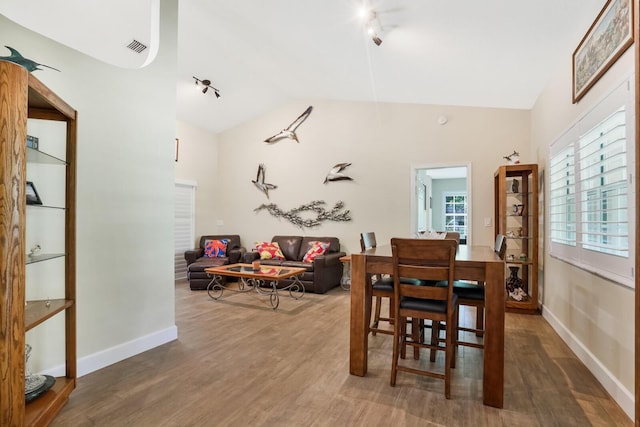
x,y
47,207
31,259
38,156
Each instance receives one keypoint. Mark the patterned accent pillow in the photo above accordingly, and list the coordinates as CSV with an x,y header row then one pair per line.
x,y
317,248
215,248
269,250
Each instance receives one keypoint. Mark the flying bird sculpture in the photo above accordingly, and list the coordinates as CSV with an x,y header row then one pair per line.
x,y
259,181
290,131
335,174
30,65
513,158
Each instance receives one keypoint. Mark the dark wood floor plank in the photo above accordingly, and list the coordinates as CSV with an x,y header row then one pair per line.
x,y
237,363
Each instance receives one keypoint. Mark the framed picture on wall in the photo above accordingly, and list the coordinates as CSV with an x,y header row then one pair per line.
x,y
177,147
606,40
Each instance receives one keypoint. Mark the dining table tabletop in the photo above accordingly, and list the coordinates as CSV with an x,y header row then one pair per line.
x,y
474,263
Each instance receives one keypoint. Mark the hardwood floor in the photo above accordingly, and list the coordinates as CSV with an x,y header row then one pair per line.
x,y
239,363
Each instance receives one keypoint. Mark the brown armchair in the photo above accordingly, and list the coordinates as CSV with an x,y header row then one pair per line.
x,y
197,262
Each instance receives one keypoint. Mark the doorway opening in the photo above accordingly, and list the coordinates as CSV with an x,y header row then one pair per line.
x,y
442,200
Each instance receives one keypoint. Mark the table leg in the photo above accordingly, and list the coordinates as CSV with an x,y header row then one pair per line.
x,y
215,288
495,295
360,315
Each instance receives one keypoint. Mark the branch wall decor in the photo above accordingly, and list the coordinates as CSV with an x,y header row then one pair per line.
x,y
290,131
316,206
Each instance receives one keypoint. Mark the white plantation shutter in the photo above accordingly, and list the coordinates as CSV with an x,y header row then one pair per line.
x,y
602,157
592,190
184,225
562,197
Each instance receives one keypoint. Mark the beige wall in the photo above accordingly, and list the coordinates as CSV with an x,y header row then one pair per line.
x,y
198,163
383,142
595,316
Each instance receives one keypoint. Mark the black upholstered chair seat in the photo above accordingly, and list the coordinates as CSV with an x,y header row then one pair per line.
x,y
384,284
466,290
434,306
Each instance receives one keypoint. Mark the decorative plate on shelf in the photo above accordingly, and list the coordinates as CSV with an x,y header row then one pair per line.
x,y
39,391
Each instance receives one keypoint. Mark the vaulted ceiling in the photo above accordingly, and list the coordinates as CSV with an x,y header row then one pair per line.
x,y
261,54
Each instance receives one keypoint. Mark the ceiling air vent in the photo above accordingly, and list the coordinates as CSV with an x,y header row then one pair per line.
x,y
136,46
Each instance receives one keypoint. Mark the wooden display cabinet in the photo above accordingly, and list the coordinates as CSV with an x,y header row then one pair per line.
x,y
23,97
516,217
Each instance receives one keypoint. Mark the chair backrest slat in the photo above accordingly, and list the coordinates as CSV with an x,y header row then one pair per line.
x,y
367,240
501,245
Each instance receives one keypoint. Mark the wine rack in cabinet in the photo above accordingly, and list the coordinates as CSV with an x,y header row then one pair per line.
x,y
516,217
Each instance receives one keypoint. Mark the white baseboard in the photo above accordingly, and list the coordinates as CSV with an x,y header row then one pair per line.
x,y
123,351
618,392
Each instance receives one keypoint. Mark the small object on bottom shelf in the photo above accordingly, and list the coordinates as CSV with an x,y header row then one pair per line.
x,y
34,385
49,381
514,282
518,294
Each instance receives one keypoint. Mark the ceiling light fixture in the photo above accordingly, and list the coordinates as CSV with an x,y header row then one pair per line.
x,y
206,86
371,20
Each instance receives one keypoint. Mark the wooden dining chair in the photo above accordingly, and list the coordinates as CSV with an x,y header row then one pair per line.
x,y
381,287
472,295
424,259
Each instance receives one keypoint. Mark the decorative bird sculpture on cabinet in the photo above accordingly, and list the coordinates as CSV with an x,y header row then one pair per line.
x,y
290,131
513,158
259,182
335,174
17,58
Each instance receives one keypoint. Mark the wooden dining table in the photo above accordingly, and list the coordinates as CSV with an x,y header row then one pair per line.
x,y
477,263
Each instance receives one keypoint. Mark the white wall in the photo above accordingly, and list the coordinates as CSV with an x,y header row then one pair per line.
x,y
595,316
198,162
126,131
383,142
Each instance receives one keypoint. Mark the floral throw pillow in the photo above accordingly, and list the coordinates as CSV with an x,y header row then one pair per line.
x,y
317,248
269,250
216,248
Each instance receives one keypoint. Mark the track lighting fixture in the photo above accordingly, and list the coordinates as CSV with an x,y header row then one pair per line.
x,y
206,86
370,17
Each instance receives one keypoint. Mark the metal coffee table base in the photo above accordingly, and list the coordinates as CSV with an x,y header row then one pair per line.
x,y
215,289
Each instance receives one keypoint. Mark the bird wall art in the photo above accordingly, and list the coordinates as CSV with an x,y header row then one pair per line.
x,y
335,174
290,131
260,184
17,58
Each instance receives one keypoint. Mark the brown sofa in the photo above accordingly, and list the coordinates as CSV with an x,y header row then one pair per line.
x,y
197,262
321,275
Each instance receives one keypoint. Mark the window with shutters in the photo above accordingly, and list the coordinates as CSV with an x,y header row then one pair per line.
x,y
184,225
591,190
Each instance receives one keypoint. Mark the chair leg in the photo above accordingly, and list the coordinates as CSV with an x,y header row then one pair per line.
x,y
448,359
376,316
403,335
415,336
480,321
397,335
454,332
435,336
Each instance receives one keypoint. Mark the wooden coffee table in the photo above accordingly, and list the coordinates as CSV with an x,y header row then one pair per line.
x,y
264,281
